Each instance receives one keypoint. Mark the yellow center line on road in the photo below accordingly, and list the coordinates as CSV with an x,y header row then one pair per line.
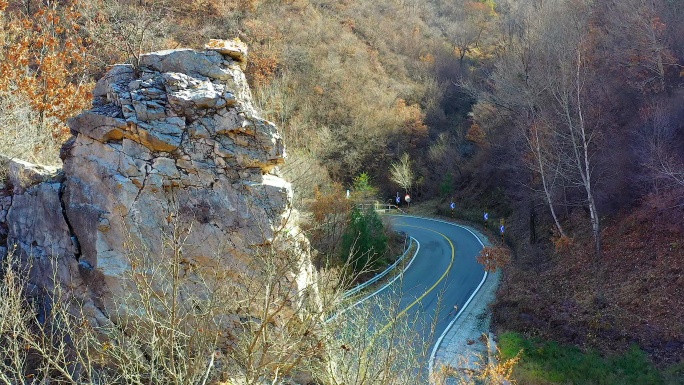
x,y
403,312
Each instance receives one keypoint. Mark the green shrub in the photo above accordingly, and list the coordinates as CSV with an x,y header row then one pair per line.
x,y
446,186
364,242
675,374
547,362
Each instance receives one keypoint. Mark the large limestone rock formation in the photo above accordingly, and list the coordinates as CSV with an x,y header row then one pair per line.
x,y
175,141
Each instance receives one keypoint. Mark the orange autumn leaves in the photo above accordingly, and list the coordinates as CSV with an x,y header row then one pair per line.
x,y
44,60
494,257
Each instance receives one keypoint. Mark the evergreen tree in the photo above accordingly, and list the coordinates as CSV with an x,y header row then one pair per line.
x,y
364,242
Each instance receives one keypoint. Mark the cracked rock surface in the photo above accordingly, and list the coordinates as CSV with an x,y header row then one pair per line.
x,y
176,138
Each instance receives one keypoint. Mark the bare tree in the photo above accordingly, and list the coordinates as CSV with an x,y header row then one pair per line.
x,y
377,343
657,146
129,28
178,321
640,36
542,81
402,173
547,166
181,322
466,23
569,90
521,87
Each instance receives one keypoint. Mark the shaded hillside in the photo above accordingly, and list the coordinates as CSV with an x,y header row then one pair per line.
x,y
637,299
580,131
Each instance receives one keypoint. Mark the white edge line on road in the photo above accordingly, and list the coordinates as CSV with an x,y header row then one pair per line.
x,y
439,220
448,328
382,288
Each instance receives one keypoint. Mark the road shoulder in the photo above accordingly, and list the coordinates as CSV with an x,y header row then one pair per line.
x,y
463,347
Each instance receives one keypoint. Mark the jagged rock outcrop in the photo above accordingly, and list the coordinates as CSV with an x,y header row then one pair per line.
x,y
176,140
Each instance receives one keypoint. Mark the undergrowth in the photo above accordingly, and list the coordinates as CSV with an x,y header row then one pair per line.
x,y
547,362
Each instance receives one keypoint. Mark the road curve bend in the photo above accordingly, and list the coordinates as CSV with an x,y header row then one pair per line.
x,y
442,279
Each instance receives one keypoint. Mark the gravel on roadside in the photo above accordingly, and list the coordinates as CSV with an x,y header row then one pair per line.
x,y
468,343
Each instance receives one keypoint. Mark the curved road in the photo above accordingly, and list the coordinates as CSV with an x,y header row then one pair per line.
x,y
444,273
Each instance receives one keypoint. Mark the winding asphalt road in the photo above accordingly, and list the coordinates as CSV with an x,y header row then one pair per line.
x,y
444,273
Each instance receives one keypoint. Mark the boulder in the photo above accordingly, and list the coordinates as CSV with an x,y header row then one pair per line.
x,y
176,143
233,48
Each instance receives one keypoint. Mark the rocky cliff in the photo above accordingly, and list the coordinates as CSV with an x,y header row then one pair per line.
x,y
173,143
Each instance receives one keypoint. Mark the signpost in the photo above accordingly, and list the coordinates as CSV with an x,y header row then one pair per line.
x,y
453,206
407,198
502,228
486,218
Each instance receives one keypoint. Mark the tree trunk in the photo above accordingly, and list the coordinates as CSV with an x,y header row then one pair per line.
x,y
586,170
533,223
549,200
539,154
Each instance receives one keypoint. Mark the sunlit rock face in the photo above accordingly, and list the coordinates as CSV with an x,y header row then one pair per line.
x,y
173,143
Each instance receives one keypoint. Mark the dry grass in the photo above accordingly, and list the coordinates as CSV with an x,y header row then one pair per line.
x,y
183,324
20,138
490,370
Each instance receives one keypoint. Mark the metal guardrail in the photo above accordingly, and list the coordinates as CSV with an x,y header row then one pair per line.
x,y
378,277
379,207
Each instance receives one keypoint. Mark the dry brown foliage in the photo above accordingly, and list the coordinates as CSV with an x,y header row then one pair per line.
x,y
494,257
330,212
45,60
476,134
638,298
488,370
